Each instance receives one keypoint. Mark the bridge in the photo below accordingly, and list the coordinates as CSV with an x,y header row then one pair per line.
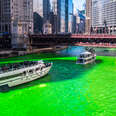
x,y
98,40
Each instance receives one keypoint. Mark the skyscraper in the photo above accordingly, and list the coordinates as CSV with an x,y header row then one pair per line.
x,y
16,18
42,7
104,16
58,11
88,15
56,8
63,10
70,15
63,16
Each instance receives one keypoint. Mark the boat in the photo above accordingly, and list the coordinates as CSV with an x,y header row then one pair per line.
x,y
87,57
23,72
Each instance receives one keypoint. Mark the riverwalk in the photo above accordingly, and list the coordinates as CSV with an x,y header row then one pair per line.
x,y
13,53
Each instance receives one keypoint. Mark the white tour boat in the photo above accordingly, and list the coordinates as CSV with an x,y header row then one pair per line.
x,y
23,72
86,57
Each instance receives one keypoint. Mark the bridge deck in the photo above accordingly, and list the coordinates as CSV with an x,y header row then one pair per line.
x,y
99,40
74,36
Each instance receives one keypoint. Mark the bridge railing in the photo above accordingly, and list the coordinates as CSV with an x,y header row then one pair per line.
x,y
93,36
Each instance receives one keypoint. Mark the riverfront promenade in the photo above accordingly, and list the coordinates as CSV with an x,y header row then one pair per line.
x,y
12,53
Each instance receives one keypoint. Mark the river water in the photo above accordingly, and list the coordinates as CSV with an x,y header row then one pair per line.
x,y
68,90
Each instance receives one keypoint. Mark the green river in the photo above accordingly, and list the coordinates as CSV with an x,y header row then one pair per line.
x,y
68,90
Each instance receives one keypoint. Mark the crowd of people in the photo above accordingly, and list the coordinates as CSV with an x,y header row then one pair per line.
x,y
14,66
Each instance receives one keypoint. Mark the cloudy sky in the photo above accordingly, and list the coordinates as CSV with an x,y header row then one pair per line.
x,y
78,4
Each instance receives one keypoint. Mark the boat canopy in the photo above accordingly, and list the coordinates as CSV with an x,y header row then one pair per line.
x,y
85,53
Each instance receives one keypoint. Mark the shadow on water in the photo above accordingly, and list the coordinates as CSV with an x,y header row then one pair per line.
x,y
98,61
62,71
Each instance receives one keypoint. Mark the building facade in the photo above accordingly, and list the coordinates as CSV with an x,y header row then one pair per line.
x,y
42,8
47,28
104,16
5,14
70,15
63,10
16,18
88,16
81,25
57,12
62,16
74,24
79,22
56,8
38,23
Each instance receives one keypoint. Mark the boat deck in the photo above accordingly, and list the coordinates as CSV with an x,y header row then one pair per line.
x,y
12,67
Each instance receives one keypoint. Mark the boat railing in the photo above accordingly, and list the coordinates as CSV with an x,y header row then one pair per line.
x,y
13,69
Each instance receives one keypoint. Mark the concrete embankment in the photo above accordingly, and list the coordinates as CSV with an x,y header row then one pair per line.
x,y
13,53
50,49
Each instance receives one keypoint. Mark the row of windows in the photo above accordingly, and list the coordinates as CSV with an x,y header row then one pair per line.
x,y
16,75
103,10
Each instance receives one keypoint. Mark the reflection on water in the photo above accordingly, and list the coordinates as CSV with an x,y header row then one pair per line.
x,y
60,72
76,50
68,90
73,51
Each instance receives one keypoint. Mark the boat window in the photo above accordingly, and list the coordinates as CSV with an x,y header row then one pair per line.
x,y
9,67
37,69
81,56
24,73
10,77
85,55
81,60
47,64
41,68
31,71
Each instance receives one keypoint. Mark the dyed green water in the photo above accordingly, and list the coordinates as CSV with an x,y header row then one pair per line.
x,y
68,90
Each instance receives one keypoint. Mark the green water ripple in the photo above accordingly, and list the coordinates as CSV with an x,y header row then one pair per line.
x,y
68,90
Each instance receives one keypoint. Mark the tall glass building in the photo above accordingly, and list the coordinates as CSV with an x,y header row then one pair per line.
x,y
42,7
58,8
104,16
63,9
63,16
70,15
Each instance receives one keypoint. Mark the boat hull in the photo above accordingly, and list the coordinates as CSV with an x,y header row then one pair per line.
x,y
87,62
24,79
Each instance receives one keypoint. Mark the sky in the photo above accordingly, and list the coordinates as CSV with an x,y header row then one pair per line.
x,y
78,4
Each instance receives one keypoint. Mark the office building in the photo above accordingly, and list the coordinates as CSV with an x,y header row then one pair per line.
x,y
57,12
88,16
104,16
81,25
78,22
74,24
70,15
47,28
42,8
16,18
38,23
56,8
63,11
